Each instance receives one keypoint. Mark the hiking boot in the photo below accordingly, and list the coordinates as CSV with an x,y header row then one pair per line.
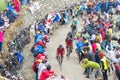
x,y
87,77
84,73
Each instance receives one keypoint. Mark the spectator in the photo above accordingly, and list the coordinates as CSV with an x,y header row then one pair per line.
x,y
104,66
1,38
46,73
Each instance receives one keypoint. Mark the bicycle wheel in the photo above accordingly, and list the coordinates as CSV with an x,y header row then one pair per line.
x,y
68,54
60,62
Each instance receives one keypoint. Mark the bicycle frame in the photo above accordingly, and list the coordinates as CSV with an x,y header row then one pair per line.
x,y
69,51
59,59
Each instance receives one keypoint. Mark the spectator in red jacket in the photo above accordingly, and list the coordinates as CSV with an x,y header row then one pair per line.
x,y
94,46
117,68
41,43
102,33
46,73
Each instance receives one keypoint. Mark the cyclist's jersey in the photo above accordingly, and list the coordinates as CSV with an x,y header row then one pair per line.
x,y
69,42
73,27
60,51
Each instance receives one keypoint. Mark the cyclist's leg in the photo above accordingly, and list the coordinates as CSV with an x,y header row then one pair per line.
x,y
71,48
57,56
61,58
67,49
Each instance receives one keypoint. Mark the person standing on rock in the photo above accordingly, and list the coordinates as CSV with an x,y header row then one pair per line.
x,y
104,65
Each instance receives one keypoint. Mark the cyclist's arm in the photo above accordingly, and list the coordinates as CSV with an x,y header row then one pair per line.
x,y
63,50
57,51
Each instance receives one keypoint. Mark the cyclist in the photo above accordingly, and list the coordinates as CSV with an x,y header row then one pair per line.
x,y
70,35
73,29
75,20
60,52
69,42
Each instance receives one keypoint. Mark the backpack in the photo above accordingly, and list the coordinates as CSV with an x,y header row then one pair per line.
x,y
20,57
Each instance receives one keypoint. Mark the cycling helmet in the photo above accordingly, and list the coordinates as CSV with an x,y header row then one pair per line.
x,y
60,45
69,33
78,35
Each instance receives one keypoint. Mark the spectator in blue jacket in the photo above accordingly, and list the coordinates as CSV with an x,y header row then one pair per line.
x,y
103,6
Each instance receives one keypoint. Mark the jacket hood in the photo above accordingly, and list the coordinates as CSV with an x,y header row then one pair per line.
x,y
85,60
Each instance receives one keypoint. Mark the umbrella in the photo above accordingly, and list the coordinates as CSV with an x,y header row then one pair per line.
x,y
3,5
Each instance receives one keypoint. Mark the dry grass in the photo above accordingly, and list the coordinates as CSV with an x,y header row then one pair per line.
x,y
9,33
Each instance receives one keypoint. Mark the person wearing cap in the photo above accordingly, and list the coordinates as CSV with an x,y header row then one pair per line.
x,y
42,66
104,65
34,67
41,58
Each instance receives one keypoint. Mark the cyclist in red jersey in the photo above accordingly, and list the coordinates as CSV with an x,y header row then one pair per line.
x,y
69,42
60,52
